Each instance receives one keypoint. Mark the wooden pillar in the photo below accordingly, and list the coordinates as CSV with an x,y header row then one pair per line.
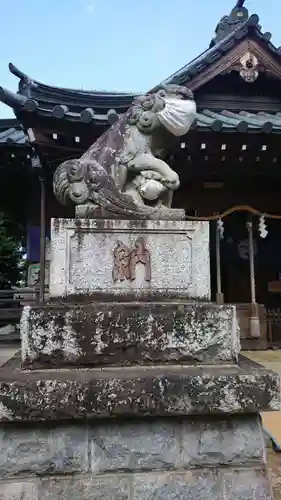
x,y
42,237
219,294
254,318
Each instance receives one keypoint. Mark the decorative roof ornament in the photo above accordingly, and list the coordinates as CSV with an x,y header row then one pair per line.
x,y
249,67
228,24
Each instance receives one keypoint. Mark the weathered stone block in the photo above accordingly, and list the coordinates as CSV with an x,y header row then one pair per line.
x,y
246,484
57,450
139,459
136,446
196,484
136,391
191,485
83,258
125,333
106,487
222,442
19,490
129,445
176,443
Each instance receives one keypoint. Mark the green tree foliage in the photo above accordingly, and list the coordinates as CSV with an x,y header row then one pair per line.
x,y
10,257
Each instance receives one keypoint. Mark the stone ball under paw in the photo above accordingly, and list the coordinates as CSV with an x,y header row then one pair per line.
x,y
151,189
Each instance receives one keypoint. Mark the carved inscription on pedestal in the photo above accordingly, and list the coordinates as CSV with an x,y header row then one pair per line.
x,y
125,261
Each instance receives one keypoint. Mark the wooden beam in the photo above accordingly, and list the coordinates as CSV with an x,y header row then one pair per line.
x,y
44,140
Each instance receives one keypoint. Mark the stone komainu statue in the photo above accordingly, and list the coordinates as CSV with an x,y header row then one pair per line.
x,y
123,174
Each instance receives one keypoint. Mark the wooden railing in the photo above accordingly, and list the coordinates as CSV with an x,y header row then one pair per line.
x,y
273,326
10,308
11,304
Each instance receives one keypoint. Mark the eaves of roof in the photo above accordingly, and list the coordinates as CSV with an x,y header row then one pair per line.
x,y
76,100
226,121
206,120
104,108
23,104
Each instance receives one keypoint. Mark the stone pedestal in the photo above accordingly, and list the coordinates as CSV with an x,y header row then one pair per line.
x,y
82,260
131,385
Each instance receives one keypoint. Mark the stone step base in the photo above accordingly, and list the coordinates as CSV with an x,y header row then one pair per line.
x,y
139,459
198,484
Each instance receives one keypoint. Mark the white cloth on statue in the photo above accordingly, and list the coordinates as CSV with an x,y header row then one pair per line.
x,y
178,115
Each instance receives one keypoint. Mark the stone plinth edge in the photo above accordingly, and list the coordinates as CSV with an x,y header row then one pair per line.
x,y
94,212
137,391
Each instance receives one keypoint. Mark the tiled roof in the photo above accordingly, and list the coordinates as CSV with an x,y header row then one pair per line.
x,y
103,108
11,133
47,97
72,105
206,119
242,122
250,27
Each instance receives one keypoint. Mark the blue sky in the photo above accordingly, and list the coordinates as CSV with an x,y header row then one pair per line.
x,y
122,45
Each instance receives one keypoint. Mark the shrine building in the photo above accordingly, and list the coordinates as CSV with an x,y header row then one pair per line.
x,y
229,163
